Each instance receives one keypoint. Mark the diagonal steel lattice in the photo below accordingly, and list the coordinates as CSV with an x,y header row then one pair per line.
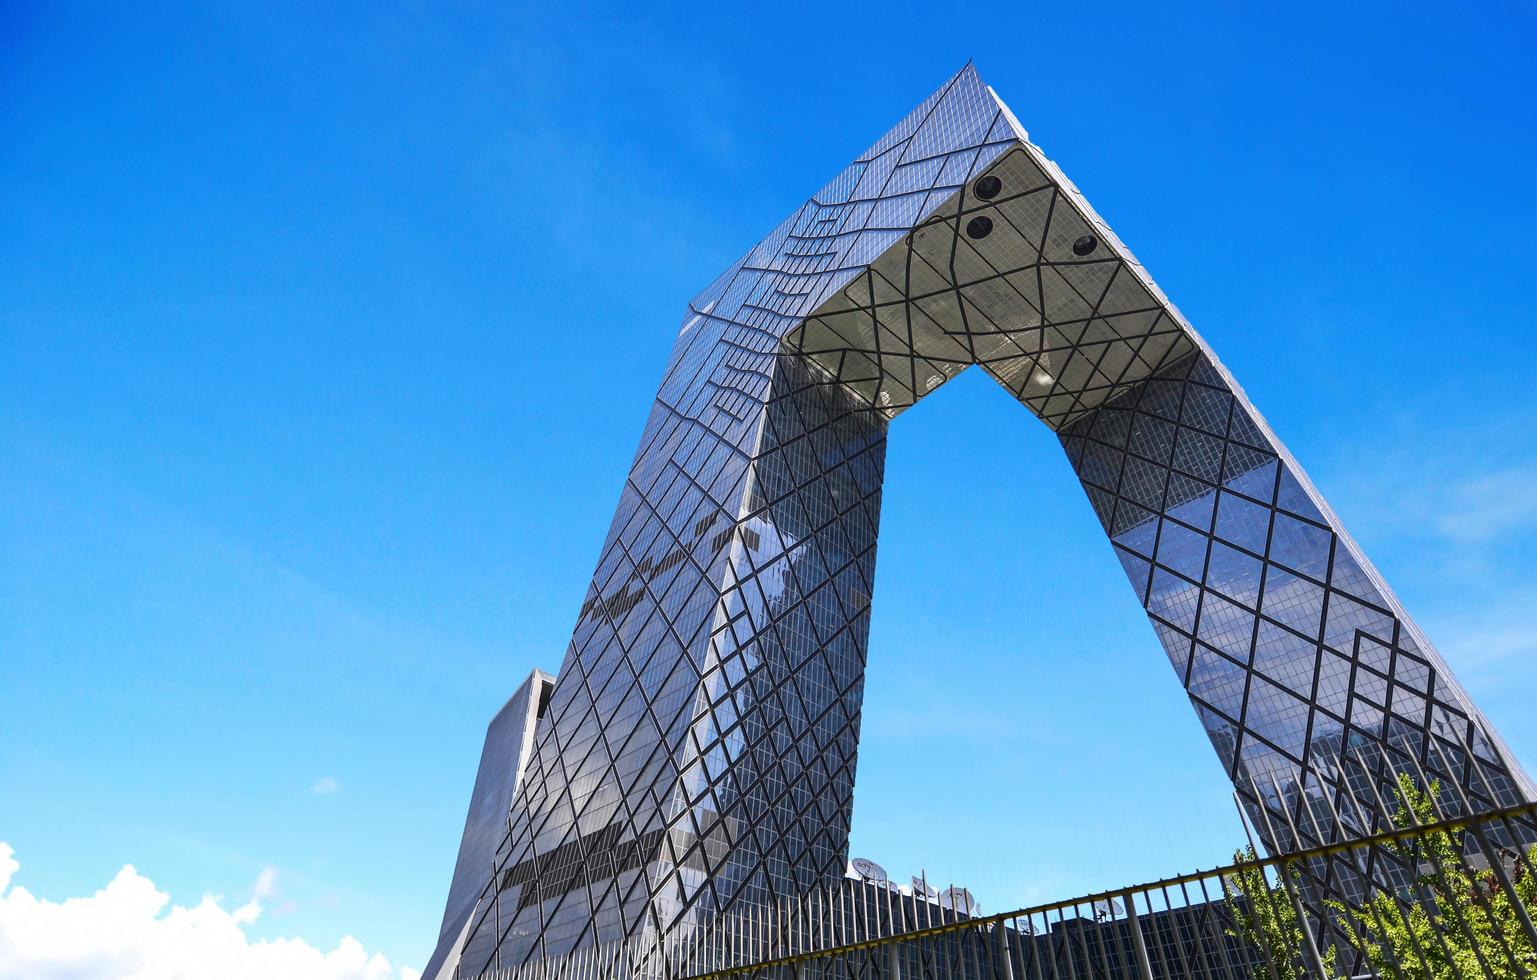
x,y
698,752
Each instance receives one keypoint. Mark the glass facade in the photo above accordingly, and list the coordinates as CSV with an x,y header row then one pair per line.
x,y
698,752
509,743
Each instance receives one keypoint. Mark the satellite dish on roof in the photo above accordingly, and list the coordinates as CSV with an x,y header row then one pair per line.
x,y
958,900
1107,909
867,870
923,889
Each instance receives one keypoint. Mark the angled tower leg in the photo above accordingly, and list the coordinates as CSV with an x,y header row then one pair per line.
x,y
1289,644
698,752
706,759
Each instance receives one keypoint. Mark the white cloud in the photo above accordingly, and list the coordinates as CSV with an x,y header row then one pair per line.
x,y
326,785
1442,491
266,884
126,932
1489,505
1500,629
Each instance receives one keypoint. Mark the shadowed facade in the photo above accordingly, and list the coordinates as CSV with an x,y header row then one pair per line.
x,y
698,752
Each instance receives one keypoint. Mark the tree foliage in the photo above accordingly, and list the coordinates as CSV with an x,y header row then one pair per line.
x,y
1265,920
1454,921
1449,921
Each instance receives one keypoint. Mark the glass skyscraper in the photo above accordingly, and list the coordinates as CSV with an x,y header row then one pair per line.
x,y
503,759
698,751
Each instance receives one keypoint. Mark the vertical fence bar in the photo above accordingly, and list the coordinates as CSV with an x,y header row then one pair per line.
x,y
1309,950
1004,969
1139,945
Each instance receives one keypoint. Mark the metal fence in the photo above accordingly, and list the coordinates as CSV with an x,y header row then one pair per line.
x,y
1394,870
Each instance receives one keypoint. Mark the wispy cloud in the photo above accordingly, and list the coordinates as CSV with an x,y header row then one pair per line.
x,y
325,786
266,885
1438,499
1497,630
130,928
1449,520
1488,505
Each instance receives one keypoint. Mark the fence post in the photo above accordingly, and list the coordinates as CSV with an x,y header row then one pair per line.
x,y
1001,951
1144,967
1315,960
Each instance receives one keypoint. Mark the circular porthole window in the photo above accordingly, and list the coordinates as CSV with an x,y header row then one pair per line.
x,y
1085,245
988,187
979,227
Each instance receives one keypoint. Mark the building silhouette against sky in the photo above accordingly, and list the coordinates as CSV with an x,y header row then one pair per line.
x,y
697,753
509,743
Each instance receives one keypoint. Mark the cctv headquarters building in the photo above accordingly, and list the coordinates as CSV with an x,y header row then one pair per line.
x,y
695,754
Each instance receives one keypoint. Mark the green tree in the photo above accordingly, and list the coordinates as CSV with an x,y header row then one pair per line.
x,y
1265,920
1452,922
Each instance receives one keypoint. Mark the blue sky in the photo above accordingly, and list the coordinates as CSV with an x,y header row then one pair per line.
x,y
326,334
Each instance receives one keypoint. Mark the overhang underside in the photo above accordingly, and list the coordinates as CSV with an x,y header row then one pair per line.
x,y
1045,299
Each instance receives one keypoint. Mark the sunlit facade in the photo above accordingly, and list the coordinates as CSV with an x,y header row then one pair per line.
x,y
503,759
698,751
